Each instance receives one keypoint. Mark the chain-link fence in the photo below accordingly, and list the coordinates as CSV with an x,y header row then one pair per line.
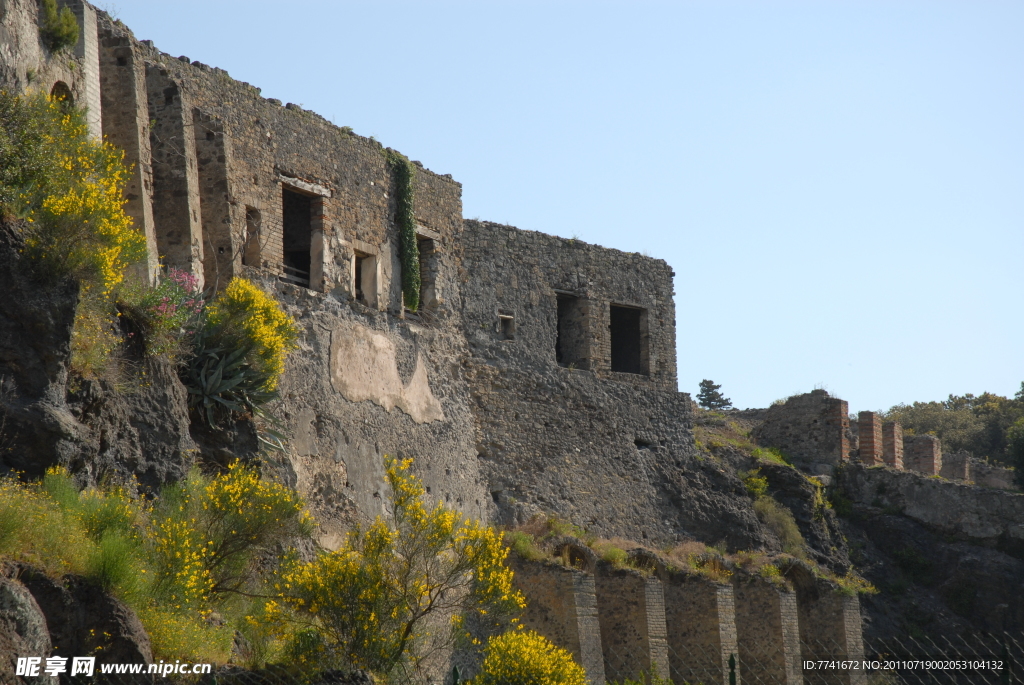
x,y
975,659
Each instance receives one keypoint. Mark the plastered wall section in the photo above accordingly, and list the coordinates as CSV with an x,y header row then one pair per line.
x,y
812,428
631,613
768,632
700,618
562,606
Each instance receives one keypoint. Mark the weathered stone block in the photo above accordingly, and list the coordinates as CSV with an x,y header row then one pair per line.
x,y
892,444
923,453
631,613
700,617
869,433
812,428
768,632
562,606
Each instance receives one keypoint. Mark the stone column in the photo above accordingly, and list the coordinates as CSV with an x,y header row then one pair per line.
x,y
923,453
700,617
768,633
222,228
126,125
179,235
631,613
562,606
87,52
892,444
869,430
830,629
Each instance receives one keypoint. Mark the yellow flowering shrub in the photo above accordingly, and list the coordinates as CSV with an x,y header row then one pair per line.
x,y
523,657
176,561
70,189
252,319
400,584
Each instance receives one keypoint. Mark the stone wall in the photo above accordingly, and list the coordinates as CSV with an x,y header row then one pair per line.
x,y
700,617
812,429
979,515
631,613
922,453
956,466
562,606
869,438
892,444
768,632
990,475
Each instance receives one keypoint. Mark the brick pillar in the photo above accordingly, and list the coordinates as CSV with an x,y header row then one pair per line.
x,y
830,629
922,453
701,621
562,606
631,613
768,633
869,429
892,444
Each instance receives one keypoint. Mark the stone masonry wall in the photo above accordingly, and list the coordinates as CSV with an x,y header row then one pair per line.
x,y
812,429
768,632
700,618
562,606
631,613
892,444
980,515
869,437
922,453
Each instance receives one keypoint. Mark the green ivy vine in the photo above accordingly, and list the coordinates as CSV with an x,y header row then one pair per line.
x,y
409,249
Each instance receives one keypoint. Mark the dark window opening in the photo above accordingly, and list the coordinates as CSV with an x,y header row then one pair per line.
x,y
62,94
570,341
252,251
298,232
364,278
628,341
428,272
507,326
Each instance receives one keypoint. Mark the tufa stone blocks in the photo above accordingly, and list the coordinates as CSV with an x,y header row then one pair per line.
x,y
813,428
768,632
631,613
701,620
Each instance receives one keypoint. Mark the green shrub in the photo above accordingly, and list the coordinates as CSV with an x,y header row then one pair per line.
x,y
524,545
781,522
59,28
409,249
164,316
754,482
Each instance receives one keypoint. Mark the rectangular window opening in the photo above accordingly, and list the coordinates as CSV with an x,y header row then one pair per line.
x,y
298,233
506,325
571,341
252,250
364,278
428,272
629,339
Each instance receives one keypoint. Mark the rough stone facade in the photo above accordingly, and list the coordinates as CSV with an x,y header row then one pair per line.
x,y
700,616
768,632
922,453
812,429
539,376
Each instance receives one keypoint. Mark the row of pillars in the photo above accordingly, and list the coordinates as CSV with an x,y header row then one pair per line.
x,y
883,442
619,623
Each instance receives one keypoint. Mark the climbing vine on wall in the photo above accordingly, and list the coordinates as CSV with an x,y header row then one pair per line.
x,y
405,175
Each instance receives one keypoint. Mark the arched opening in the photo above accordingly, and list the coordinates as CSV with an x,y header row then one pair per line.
x,y
575,555
61,93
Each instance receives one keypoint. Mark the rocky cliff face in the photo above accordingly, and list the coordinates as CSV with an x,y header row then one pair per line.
x,y
52,418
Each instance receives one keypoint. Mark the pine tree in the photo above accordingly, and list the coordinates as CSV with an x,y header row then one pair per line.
x,y
710,398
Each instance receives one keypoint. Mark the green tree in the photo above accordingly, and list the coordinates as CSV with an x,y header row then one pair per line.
x,y
1015,439
709,396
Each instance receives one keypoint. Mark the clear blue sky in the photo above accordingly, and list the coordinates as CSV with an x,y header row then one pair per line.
x,y
839,186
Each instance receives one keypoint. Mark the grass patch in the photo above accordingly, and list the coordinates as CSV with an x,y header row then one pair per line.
x,y
780,521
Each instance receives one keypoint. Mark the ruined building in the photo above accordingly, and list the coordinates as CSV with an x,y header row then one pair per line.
x,y
538,374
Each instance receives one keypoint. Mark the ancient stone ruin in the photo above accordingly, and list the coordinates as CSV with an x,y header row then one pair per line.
x,y
537,376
